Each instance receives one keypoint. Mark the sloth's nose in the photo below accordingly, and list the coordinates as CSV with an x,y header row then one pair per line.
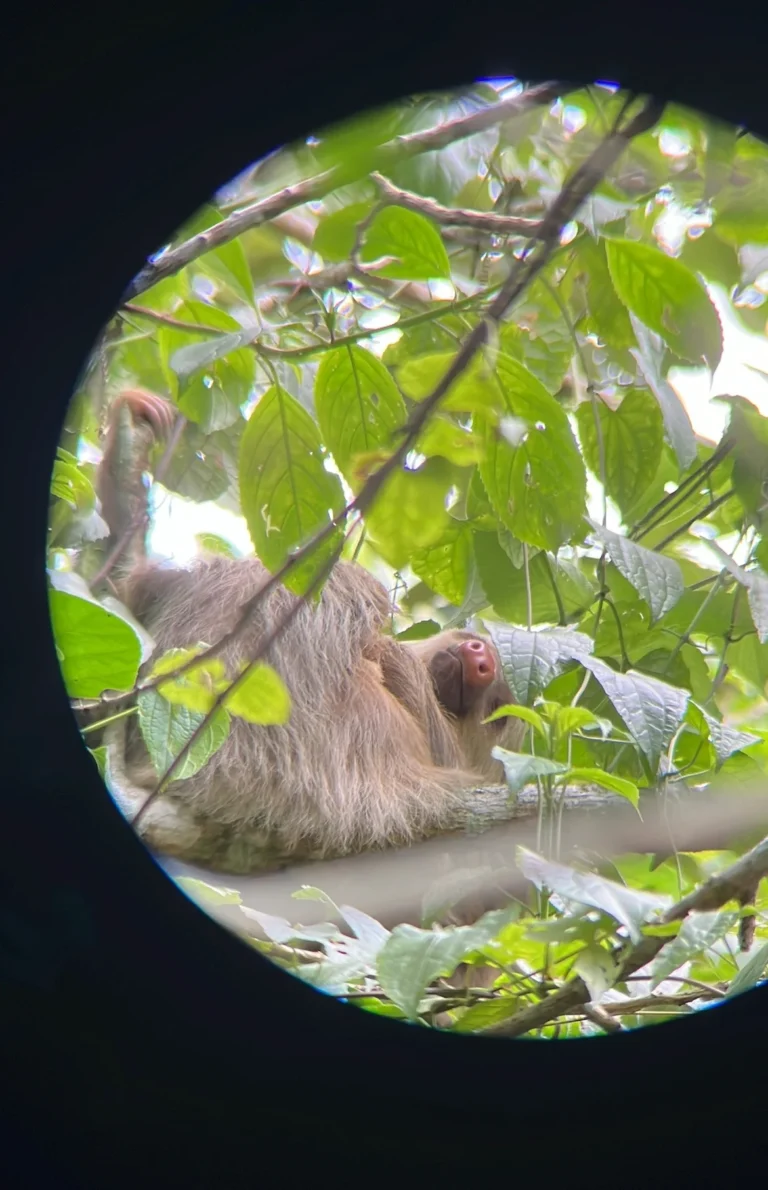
x,y
478,662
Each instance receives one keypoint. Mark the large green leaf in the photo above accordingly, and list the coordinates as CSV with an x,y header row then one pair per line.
x,y
531,660
412,241
286,493
409,515
605,316
677,423
751,973
335,234
204,466
748,435
445,437
261,697
166,727
632,909
657,579
97,649
445,566
211,379
668,298
698,933
740,212
504,583
632,439
650,708
411,958
593,776
727,740
475,390
358,405
534,475
521,769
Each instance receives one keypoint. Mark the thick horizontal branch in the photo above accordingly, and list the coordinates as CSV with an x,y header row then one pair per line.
x,y
390,885
315,188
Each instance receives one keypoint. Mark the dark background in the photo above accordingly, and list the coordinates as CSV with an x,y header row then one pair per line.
x,y
137,1038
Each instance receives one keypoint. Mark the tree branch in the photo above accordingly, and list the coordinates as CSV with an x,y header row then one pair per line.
x,y
400,149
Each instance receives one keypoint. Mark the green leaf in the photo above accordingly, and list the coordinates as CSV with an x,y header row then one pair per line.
x,y
261,697
204,466
207,894
445,566
370,934
727,740
71,484
545,350
521,769
606,316
757,596
97,649
713,258
335,234
197,688
412,240
598,968
668,298
409,514
486,1013
721,146
212,543
627,906
412,958
358,405
537,482
187,353
740,213
517,712
592,776
286,493
751,973
677,423
748,435
632,440
166,728
651,709
475,390
505,586
210,378
446,438
569,719
698,933
100,756
421,630
756,584
531,660
226,265
657,579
